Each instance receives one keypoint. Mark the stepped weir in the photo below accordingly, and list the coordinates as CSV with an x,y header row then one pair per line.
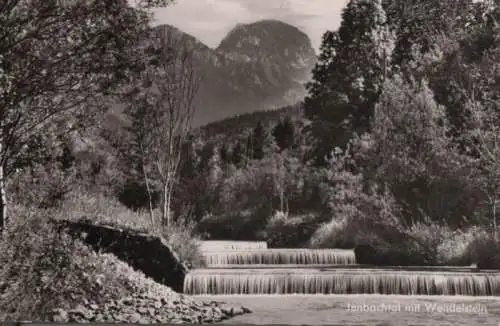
x,y
231,245
281,256
249,268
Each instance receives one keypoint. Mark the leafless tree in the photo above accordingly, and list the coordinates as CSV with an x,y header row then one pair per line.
x,y
161,110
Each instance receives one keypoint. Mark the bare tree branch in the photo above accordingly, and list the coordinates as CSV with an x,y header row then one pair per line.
x,y
163,111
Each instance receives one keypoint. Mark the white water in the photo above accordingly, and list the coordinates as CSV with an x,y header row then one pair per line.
x,y
280,256
342,282
213,245
298,272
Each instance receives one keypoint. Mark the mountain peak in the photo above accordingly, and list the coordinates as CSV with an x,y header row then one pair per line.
x,y
261,65
276,44
270,24
264,36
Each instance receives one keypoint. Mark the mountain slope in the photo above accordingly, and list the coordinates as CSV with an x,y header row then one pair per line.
x,y
258,66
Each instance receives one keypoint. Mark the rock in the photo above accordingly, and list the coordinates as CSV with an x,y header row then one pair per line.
x,y
176,321
142,310
239,311
80,312
94,307
60,316
127,301
246,310
117,317
160,320
99,318
135,317
144,320
157,304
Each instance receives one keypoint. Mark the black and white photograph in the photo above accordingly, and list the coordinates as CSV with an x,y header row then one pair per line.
x,y
250,162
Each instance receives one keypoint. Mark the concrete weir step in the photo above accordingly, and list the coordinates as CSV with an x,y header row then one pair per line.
x,y
280,256
218,245
342,281
324,267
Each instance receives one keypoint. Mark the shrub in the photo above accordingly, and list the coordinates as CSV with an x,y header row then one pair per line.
x,y
454,249
337,233
105,210
289,231
426,238
43,269
181,237
43,185
484,250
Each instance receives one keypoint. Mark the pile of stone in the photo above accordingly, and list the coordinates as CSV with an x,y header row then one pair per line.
x,y
147,309
145,301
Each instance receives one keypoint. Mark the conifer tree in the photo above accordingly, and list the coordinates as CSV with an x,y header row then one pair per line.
x,y
348,76
237,154
284,133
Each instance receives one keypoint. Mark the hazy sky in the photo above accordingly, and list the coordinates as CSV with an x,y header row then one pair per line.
x,y
210,20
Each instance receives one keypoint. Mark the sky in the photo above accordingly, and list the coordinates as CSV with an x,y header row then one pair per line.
x,y
211,20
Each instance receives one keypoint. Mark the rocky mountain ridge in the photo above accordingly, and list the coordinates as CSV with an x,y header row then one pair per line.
x,y
258,66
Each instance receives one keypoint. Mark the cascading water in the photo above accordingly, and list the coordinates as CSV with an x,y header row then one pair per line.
x,y
214,245
241,267
338,281
281,256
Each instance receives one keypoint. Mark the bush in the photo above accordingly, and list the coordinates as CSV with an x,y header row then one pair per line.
x,y
425,238
454,250
43,269
484,250
337,233
46,185
422,243
288,231
181,237
101,209
243,224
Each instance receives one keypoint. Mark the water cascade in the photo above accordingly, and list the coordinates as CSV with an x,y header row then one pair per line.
x,y
231,245
240,267
338,281
281,256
